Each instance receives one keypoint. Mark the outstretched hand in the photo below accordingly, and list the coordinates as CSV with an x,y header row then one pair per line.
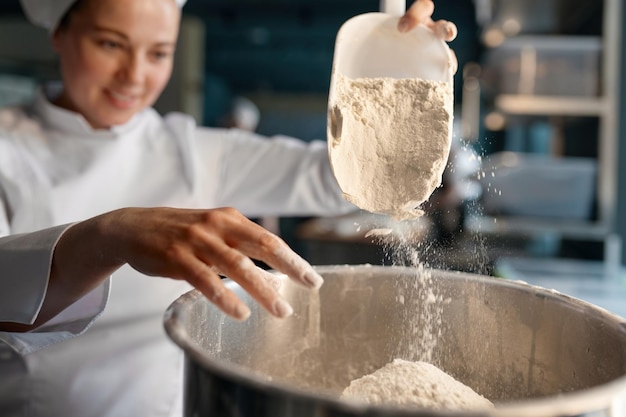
x,y
191,245
198,245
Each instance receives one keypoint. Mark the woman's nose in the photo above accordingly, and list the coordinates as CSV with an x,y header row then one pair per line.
x,y
133,69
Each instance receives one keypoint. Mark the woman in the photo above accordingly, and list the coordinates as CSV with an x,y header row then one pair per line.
x,y
93,144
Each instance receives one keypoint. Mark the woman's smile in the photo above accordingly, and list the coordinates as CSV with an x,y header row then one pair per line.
x,y
121,100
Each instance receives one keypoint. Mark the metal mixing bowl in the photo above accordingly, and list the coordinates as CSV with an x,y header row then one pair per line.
x,y
532,351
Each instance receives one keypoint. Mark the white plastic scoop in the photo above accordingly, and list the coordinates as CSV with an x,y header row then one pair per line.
x,y
393,7
389,112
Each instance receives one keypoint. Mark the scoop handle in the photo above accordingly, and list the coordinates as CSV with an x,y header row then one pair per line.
x,y
393,7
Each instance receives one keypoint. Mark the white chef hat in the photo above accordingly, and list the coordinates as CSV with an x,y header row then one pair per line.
x,y
48,13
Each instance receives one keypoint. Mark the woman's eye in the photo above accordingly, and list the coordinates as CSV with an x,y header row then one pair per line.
x,y
161,55
110,44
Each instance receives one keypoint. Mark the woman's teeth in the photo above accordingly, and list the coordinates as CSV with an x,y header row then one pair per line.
x,y
121,97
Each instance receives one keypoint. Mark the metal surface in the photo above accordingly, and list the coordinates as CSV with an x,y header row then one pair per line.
x,y
532,351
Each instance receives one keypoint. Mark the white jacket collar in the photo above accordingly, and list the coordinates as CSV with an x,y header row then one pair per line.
x,y
71,122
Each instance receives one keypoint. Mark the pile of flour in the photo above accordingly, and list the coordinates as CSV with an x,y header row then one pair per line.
x,y
389,141
415,384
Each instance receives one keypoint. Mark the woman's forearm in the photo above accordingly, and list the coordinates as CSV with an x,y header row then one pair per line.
x,y
79,264
190,245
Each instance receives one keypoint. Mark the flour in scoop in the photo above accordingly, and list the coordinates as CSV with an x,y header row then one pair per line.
x,y
390,140
415,384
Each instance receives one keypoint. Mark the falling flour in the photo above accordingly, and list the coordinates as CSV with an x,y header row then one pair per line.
x,y
389,141
415,384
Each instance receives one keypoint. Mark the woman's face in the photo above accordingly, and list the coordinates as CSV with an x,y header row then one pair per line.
x,y
116,57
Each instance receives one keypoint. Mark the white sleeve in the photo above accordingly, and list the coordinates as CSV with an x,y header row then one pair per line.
x,y
25,261
274,176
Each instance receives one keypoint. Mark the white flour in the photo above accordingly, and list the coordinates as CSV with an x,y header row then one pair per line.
x,y
390,140
416,384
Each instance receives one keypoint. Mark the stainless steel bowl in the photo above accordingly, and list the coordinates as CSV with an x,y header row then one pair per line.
x,y
532,351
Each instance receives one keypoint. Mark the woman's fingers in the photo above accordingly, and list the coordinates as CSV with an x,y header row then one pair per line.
x,y
258,243
240,268
260,286
198,245
227,241
444,30
209,283
421,11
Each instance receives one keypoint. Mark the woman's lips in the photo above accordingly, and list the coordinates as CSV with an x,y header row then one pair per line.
x,y
121,100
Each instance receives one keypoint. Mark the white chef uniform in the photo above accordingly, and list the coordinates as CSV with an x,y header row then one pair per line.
x,y
55,170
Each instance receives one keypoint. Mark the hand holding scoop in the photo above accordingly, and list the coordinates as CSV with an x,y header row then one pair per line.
x,y
390,108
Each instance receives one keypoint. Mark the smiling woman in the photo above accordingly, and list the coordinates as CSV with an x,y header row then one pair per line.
x,y
116,57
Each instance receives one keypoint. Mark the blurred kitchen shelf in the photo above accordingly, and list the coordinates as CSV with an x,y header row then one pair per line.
x,y
604,106
550,105
535,225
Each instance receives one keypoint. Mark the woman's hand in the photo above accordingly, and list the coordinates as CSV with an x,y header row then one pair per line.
x,y
191,245
421,12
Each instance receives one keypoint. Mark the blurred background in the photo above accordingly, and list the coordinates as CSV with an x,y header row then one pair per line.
x,y
535,183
